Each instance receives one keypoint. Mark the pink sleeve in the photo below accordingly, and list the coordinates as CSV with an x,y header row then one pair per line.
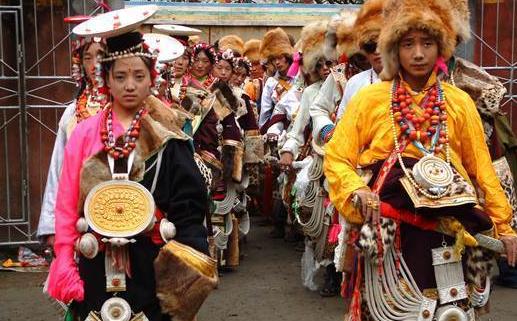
x,y
64,282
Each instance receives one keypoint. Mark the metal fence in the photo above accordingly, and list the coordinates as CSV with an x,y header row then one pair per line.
x,y
35,86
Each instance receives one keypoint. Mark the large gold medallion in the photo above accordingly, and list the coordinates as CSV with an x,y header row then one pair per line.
x,y
119,208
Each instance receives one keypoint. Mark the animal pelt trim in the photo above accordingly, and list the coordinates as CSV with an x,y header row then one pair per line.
x,y
486,90
312,40
402,16
340,37
225,95
369,22
275,43
184,279
228,160
252,50
159,125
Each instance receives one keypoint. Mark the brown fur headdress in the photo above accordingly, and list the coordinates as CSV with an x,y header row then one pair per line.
x,y
340,37
461,15
369,22
275,43
252,50
401,16
232,42
312,44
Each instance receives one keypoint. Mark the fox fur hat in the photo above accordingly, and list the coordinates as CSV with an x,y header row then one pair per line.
x,y
252,50
369,21
340,37
232,42
312,44
461,16
402,16
275,43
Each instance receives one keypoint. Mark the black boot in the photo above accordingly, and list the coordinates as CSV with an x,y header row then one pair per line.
x,y
332,284
279,219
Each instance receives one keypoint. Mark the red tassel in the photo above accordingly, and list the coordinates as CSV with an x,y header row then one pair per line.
x,y
334,231
355,306
441,65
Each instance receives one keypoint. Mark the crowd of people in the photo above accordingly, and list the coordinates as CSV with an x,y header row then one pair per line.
x,y
366,140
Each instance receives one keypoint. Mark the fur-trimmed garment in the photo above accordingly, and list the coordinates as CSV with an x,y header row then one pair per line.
x,y
180,195
401,16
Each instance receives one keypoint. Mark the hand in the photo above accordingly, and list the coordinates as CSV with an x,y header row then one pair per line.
x,y
510,244
286,161
367,202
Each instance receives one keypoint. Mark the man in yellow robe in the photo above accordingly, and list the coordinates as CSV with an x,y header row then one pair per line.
x,y
416,35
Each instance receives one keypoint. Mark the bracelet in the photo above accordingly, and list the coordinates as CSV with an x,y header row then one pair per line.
x,y
326,133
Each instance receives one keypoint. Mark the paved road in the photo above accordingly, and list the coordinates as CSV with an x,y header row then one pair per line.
x,y
266,287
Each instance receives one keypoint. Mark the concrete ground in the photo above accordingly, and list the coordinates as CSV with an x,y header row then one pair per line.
x,y
267,286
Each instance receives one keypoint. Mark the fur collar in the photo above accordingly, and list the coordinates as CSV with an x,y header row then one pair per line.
x,y
159,125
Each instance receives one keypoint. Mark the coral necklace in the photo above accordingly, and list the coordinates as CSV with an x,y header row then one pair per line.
x,y
114,148
427,125
431,175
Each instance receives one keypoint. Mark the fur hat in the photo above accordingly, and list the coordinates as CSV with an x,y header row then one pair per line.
x,y
461,15
275,43
340,38
312,39
252,50
400,16
369,22
232,42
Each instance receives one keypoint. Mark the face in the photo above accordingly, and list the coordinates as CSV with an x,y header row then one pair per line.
x,y
373,55
238,76
281,64
201,66
256,70
418,52
181,66
223,70
89,59
323,68
130,81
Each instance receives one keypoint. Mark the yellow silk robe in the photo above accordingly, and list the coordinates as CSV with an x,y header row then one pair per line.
x,y
364,136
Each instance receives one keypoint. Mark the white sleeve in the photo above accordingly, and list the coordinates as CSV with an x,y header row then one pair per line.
x,y
295,137
47,217
324,105
266,103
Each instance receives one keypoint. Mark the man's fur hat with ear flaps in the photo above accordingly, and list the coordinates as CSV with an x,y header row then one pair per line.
x,y
340,38
312,39
233,42
252,50
461,16
402,16
369,21
275,43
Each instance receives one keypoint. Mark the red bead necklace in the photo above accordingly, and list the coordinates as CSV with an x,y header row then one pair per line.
x,y
111,146
421,127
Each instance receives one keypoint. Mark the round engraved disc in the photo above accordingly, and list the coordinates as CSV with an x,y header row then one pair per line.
x,y
119,208
431,171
